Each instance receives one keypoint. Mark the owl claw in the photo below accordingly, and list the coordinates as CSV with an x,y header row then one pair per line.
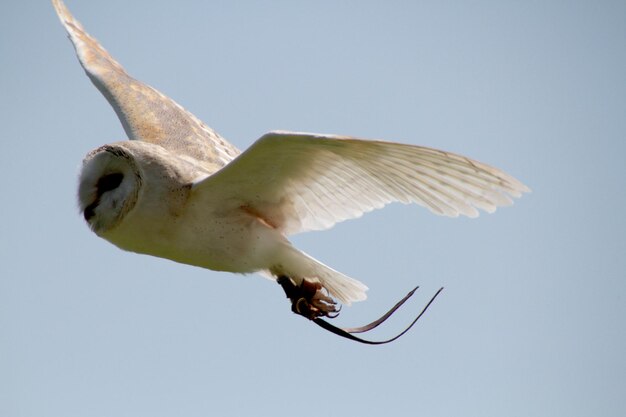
x,y
309,300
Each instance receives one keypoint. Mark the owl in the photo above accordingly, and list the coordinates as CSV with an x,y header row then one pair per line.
x,y
178,190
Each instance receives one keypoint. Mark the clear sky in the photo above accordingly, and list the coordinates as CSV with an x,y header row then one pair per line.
x,y
531,321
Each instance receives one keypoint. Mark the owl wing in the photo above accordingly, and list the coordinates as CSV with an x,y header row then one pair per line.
x,y
145,113
298,182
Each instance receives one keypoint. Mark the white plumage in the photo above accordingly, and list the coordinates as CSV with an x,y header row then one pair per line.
x,y
304,181
180,191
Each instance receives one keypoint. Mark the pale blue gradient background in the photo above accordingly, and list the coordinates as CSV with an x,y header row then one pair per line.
x,y
531,322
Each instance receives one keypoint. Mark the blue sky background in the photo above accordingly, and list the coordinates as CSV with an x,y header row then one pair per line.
x,y
531,322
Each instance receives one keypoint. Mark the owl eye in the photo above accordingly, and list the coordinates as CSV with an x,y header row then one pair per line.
x,y
109,182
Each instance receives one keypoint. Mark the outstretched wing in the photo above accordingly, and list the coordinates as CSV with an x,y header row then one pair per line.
x,y
145,113
298,182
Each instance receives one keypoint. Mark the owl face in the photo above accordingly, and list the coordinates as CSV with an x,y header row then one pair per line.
x,y
108,188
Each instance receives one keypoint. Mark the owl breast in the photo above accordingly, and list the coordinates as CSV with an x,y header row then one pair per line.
x,y
200,236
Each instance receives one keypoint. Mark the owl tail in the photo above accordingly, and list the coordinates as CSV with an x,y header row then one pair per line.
x,y
298,265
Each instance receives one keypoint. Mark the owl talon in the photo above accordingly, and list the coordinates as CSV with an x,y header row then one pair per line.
x,y
309,299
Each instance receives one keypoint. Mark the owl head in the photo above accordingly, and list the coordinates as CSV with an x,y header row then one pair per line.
x,y
128,185
109,186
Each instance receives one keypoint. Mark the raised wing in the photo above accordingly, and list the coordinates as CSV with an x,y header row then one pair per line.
x,y
300,181
145,113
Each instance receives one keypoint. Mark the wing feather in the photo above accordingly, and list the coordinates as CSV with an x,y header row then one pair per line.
x,y
304,181
145,113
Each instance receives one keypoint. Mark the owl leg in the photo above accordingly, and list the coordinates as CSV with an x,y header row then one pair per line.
x,y
309,299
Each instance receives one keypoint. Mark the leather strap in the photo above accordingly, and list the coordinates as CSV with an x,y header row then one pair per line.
x,y
347,332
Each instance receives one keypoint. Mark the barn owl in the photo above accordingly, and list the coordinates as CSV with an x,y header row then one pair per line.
x,y
178,190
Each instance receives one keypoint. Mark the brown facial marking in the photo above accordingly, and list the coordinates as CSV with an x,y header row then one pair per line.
x,y
105,183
